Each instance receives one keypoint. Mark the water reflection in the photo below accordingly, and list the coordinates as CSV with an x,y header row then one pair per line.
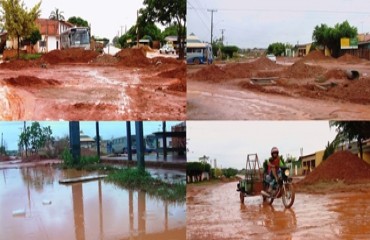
x,y
91,210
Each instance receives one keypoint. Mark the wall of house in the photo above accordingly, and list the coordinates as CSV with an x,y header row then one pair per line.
x,y
318,157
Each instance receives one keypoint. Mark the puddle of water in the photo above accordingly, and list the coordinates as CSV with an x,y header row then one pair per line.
x,y
91,210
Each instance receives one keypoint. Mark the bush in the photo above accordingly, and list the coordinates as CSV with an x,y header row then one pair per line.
x,y
67,158
229,172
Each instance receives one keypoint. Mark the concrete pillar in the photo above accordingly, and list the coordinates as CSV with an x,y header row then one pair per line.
x,y
140,144
74,140
97,140
129,140
164,140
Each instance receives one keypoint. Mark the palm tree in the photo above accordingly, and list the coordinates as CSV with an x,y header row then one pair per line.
x,y
56,15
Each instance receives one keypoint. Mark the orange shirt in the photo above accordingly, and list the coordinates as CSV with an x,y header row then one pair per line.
x,y
275,162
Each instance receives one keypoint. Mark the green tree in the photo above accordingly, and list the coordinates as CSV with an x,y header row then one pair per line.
x,y
353,130
330,36
34,37
170,31
19,21
229,50
57,15
167,12
277,48
229,172
35,137
78,21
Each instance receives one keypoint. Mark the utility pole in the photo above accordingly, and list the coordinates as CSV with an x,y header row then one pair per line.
x,y
137,28
222,35
212,11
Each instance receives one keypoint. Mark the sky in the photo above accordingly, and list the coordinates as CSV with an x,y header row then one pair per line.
x,y
230,141
107,130
250,24
106,17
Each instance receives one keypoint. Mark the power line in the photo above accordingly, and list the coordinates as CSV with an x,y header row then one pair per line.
x,y
197,12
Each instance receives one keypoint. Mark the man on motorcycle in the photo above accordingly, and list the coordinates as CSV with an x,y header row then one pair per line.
x,y
272,170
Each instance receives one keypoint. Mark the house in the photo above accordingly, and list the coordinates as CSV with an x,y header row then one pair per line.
x,y
311,161
303,49
50,35
353,147
86,141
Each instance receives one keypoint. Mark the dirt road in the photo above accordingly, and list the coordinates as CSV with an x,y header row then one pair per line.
x,y
87,92
229,102
215,212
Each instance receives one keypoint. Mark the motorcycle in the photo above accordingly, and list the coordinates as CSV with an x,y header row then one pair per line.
x,y
283,189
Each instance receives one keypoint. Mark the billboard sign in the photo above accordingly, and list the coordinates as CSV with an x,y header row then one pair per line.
x,y
348,43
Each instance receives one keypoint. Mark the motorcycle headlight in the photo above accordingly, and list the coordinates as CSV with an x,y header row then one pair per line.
x,y
286,172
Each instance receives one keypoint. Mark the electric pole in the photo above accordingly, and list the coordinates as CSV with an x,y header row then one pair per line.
x,y
222,35
212,11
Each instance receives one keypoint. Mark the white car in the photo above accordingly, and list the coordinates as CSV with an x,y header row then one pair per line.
x,y
167,49
272,57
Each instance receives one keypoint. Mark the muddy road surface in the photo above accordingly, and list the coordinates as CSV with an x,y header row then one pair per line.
x,y
215,212
86,92
229,102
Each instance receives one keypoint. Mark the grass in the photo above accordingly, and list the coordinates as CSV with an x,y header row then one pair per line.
x,y
30,56
137,179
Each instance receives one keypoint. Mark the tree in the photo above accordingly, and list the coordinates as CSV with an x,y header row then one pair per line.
x,y
35,137
229,50
168,12
353,130
34,37
170,31
78,21
277,49
19,21
330,36
56,15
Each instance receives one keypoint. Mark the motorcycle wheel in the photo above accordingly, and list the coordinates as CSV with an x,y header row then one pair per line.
x,y
242,197
288,195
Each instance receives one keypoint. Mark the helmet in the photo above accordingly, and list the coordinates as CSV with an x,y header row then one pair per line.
x,y
274,150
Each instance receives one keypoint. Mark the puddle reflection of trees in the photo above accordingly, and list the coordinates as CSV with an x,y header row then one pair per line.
x,y
37,178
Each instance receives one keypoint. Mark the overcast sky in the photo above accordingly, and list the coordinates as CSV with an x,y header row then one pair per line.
x,y
106,17
250,24
12,130
230,141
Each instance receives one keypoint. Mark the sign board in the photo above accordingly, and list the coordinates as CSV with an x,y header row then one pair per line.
x,y
348,43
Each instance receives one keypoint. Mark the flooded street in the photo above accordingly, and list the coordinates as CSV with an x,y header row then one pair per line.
x,y
228,102
215,212
85,92
35,206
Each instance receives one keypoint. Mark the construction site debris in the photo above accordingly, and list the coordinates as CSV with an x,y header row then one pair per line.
x,y
105,59
348,58
303,70
340,166
132,57
30,81
316,55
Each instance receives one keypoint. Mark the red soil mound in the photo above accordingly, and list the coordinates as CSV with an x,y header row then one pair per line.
x,y
263,63
316,55
30,81
19,64
341,165
302,70
166,60
357,91
348,58
132,57
72,55
179,72
211,73
105,59
335,74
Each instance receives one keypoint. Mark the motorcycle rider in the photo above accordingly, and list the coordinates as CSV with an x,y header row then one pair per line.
x,y
272,170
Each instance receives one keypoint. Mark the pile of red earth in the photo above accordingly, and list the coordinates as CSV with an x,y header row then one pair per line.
x,y
263,63
18,64
302,70
132,57
30,81
356,91
165,60
72,55
105,59
348,58
316,56
179,72
335,74
343,166
211,73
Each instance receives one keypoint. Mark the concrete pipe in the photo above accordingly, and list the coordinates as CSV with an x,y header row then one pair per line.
x,y
352,74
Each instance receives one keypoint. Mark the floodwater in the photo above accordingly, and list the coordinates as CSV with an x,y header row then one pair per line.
x,y
33,205
215,212
227,102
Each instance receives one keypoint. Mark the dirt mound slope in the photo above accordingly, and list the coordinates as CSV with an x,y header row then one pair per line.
x,y
30,81
302,70
166,60
19,64
335,74
357,91
342,165
179,72
348,58
72,55
263,63
316,55
212,73
105,59
132,57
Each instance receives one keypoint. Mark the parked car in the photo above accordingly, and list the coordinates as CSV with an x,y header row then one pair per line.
x,y
272,57
167,49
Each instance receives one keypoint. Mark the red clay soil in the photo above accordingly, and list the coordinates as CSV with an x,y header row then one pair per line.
x,y
105,59
30,81
357,91
132,57
302,70
179,72
166,60
263,63
348,58
19,64
343,166
335,74
316,56
212,73
72,55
